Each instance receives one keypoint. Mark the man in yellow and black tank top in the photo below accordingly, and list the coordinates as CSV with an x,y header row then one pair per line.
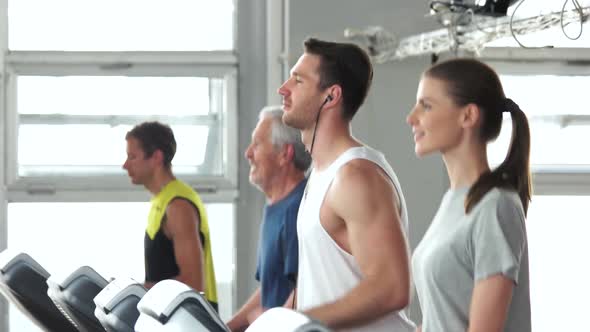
x,y
177,243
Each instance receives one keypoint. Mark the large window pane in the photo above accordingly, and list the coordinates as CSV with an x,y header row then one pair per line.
x,y
109,238
557,229
559,119
548,94
97,149
113,95
77,124
114,25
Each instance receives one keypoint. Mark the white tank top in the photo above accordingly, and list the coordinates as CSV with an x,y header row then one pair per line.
x,y
326,271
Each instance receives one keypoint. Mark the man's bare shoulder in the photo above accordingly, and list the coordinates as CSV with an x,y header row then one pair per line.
x,y
360,173
359,186
180,206
181,215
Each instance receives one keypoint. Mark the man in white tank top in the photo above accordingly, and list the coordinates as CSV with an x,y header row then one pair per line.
x,y
352,223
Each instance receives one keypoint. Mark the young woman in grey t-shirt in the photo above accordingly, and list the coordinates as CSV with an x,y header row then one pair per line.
x,y
471,267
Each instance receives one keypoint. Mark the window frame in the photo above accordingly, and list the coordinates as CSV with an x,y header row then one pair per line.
x,y
216,64
542,61
224,64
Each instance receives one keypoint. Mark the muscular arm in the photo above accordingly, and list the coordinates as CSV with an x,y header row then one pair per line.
x,y
182,226
489,304
364,198
242,319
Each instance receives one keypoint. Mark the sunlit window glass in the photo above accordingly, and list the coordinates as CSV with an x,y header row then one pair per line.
x,y
114,25
557,229
107,237
77,124
559,118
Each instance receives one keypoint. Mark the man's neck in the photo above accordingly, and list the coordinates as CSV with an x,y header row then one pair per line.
x,y
330,149
159,181
283,185
333,136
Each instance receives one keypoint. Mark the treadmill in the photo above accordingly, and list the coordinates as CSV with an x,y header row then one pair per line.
x,y
116,305
23,282
171,306
74,297
285,320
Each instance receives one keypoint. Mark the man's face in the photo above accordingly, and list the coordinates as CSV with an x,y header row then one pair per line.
x,y
302,97
139,168
262,156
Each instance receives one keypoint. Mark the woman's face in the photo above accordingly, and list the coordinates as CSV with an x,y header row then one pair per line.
x,y
435,119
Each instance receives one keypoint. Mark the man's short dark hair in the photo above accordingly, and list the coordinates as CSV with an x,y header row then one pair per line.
x,y
344,64
155,136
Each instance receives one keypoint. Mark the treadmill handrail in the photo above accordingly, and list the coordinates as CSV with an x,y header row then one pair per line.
x,y
7,260
289,320
84,272
166,296
116,290
161,299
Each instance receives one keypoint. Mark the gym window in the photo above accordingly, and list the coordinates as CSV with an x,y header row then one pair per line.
x,y
66,237
111,25
559,118
67,115
553,94
76,76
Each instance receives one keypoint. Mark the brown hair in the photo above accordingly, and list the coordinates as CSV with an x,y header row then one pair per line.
x,y
344,64
469,81
155,136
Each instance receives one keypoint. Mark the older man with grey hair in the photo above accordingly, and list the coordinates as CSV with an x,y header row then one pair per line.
x,y
278,163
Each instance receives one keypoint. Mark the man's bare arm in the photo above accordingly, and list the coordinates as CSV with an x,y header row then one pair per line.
x,y
241,320
364,198
182,225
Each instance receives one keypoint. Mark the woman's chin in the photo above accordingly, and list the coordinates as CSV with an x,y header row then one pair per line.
x,y
421,152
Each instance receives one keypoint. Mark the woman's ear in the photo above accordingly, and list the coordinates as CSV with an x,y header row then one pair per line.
x,y
470,116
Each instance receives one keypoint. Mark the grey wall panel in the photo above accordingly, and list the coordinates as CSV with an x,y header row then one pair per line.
x,y
381,121
251,98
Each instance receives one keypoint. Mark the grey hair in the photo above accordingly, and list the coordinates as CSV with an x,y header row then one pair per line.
x,y
281,134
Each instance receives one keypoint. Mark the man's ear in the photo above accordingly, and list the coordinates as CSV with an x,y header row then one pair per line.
x,y
288,153
470,116
158,157
335,95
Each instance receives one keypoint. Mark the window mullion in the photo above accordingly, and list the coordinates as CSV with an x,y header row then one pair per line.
x,y
113,120
180,64
227,58
560,182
